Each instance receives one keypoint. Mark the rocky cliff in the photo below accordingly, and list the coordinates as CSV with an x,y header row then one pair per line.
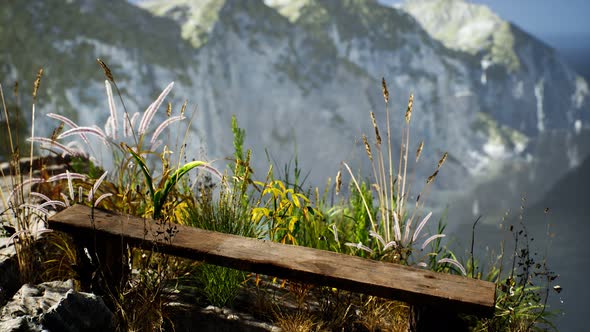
x,y
303,74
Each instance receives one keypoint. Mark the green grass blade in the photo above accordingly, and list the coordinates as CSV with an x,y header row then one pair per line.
x,y
160,195
145,169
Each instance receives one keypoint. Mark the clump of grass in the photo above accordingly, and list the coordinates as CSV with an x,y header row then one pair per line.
x,y
219,285
383,315
223,207
299,321
522,289
140,302
60,258
394,226
141,305
20,213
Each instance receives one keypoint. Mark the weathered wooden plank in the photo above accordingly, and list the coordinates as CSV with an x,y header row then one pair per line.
x,y
412,285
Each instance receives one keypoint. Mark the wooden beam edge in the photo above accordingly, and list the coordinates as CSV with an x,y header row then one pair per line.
x,y
63,222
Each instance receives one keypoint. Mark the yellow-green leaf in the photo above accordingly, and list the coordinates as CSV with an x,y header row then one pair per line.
x,y
296,201
292,223
258,213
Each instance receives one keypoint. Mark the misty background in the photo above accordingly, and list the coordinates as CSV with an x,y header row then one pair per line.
x,y
562,25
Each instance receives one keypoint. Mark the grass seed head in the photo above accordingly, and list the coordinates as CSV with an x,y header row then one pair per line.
x,y
57,131
385,91
37,83
419,151
442,160
183,108
367,147
409,110
376,187
107,71
169,109
377,136
338,181
431,178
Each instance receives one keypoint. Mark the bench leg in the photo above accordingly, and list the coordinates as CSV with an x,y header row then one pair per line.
x,y
429,318
84,265
112,258
106,269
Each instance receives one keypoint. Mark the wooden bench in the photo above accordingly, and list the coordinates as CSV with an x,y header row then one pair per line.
x,y
442,292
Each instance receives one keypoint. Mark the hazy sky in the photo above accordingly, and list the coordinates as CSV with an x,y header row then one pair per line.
x,y
549,20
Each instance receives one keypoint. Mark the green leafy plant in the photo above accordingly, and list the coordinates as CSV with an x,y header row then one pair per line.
x,y
219,285
239,136
159,195
286,213
225,207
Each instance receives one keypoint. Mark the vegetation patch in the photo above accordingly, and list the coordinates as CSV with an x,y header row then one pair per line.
x,y
382,217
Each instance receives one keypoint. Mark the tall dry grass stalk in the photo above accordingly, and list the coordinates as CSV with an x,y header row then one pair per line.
x,y
36,85
397,226
128,129
7,118
2,196
19,209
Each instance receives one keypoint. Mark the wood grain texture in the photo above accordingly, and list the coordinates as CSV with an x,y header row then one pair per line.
x,y
412,285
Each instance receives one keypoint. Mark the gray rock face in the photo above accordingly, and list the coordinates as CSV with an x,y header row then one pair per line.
x,y
20,324
79,312
55,306
517,69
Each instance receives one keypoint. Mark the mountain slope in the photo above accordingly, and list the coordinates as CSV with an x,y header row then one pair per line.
x,y
66,38
467,27
304,73
196,17
283,84
516,68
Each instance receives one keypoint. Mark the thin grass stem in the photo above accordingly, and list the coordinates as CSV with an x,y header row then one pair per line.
x,y
112,109
373,225
32,135
7,119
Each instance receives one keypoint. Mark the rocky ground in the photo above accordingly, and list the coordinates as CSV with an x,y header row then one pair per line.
x,y
58,306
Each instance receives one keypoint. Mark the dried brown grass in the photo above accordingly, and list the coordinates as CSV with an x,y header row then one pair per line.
x,y
379,314
298,321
